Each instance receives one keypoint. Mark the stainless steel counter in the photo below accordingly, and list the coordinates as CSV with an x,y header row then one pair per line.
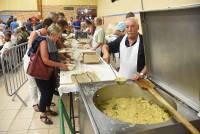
x,y
93,121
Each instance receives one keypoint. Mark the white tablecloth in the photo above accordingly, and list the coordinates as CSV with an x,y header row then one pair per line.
x,y
102,70
67,88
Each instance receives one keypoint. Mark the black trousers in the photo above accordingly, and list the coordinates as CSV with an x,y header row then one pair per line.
x,y
46,88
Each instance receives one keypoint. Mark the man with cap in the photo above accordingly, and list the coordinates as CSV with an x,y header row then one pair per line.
x,y
120,29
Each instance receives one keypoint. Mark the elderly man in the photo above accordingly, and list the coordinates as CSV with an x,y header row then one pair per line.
x,y
99,36
131,49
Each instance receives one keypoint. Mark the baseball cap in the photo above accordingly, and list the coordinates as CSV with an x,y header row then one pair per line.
x,y
120,26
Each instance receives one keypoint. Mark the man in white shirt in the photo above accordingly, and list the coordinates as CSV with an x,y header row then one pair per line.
x,y
99,36
131,49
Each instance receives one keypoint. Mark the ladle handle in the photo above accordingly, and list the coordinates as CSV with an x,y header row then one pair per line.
x,y
113,70
177,115
150,87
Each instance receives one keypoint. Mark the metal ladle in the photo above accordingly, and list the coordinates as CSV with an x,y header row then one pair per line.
x,y
119,80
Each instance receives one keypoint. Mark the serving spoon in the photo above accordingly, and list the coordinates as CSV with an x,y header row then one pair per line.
x,y
119,80
150,87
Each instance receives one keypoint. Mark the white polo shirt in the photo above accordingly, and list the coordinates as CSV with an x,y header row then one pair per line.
x,y
98,37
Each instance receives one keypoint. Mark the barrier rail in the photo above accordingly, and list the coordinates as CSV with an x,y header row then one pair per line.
x,y
13,71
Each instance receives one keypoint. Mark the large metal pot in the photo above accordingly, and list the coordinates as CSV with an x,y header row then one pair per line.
x,y
130,89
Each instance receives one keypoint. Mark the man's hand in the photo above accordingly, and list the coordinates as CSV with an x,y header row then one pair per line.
x,y
141,74
106,54
106,58
137,76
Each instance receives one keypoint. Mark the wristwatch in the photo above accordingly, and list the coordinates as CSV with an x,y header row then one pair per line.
x,y
141,74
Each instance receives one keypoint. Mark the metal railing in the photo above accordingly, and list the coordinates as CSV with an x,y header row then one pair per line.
x,y
13,72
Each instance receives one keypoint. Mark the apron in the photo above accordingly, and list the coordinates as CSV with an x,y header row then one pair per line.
x,y
128,58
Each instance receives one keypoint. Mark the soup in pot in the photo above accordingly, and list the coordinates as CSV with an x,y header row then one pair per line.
x,y
134,110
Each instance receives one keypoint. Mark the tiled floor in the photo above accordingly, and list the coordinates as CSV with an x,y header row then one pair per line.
x,y
15,118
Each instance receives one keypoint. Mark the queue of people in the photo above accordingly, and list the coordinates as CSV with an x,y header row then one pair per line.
x,y
19,34
40,89
126,41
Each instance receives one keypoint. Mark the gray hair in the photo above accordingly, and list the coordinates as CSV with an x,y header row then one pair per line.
x,y
52,15
134,19
54,29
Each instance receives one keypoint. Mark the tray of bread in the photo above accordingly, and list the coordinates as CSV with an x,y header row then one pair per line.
x,y
85,77
90,57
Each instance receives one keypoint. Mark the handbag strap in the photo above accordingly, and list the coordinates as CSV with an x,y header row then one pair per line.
x,y
38,51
